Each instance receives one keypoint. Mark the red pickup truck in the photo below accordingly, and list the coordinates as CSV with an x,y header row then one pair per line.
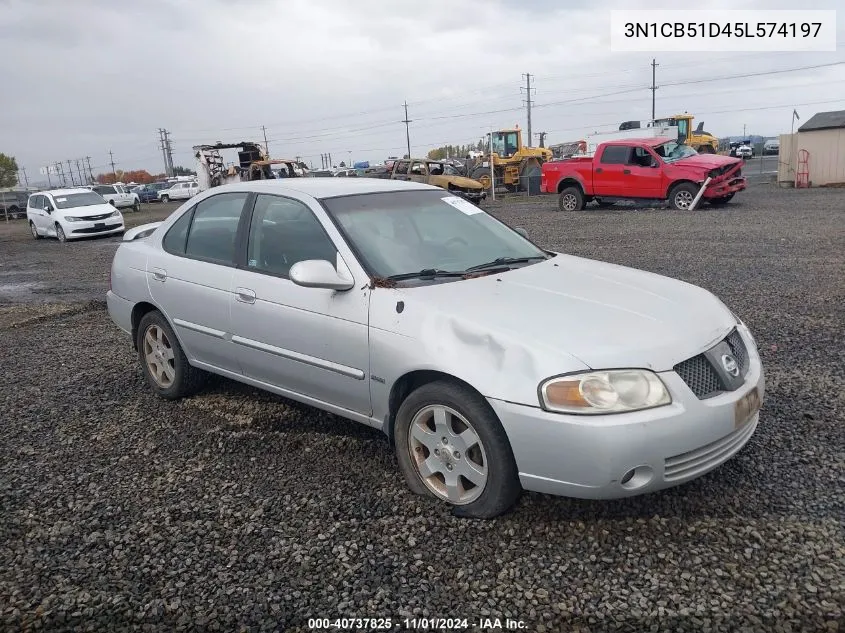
x,y
649,168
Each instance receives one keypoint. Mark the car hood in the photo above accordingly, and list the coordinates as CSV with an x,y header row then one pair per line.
x,y
706,161
85,212
458,181
603,315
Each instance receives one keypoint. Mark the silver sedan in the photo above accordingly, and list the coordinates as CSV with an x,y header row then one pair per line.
x,y
492,365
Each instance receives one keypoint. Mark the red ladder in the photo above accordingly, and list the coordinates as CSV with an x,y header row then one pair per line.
x,y
802,176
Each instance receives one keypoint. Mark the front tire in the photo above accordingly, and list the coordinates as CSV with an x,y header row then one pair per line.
x,y
34,230
570,199
165,366
60,233
137,206
450,445
682,195
165,198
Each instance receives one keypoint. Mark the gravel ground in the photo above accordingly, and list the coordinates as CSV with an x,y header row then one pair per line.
x,y
240,511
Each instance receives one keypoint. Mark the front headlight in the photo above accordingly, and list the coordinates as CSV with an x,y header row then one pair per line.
x,y
115,214
71,218
608,391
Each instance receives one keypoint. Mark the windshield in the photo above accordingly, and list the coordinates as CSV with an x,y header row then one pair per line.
x,y
504,143
402,232
671,151
73,200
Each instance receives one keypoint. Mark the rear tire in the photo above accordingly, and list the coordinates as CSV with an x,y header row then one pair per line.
x,y
165,366
466,421
137,206
570,199
682,195
165,198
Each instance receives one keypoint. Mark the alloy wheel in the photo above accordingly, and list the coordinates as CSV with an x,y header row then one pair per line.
x,y
569,202
159,357
448,454
683,200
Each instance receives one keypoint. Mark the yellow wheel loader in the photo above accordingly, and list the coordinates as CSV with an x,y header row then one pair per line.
x,y
515,166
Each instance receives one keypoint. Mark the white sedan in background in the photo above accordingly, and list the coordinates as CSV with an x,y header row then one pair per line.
x,y
68,214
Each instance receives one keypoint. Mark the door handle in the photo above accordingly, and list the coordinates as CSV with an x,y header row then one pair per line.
x,y
245,295
598,170
159,274
626,171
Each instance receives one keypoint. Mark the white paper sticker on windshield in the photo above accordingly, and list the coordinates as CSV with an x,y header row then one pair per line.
x,y
464,206
61,199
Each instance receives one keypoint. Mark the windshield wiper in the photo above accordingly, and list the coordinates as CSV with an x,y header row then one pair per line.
x,y
427,273
504,261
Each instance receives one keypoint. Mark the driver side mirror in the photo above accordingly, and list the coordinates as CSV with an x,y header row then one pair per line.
x,y
48,208
318,273
522,232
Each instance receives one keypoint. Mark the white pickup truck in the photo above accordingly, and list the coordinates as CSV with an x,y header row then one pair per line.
x,y
118,196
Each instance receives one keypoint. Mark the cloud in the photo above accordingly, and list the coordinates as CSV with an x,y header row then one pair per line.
x,y
91,76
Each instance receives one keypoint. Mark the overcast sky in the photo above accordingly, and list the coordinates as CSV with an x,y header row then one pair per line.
x,y
84,77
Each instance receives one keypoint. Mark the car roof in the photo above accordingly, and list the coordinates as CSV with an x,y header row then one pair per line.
x,y
325,187
65,192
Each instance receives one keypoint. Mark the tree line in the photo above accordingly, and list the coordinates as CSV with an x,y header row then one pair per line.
x,y
457,151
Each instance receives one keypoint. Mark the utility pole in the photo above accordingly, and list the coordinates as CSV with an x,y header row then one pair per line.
x,y
79,171
61,172
25,179
266,147
542,136
70,170
113,172
90,172
743,131
166,151
528,102
653,88
406,121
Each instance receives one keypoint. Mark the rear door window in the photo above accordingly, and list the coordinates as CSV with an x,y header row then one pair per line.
x,y
615,154
214,228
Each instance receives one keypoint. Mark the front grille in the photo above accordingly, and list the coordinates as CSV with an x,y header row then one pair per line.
x,y
700,376
700,460
737,346
94,229
94,218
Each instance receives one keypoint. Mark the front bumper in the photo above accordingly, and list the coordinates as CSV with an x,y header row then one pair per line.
x,y
76,230
587,456
725,188
472,196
